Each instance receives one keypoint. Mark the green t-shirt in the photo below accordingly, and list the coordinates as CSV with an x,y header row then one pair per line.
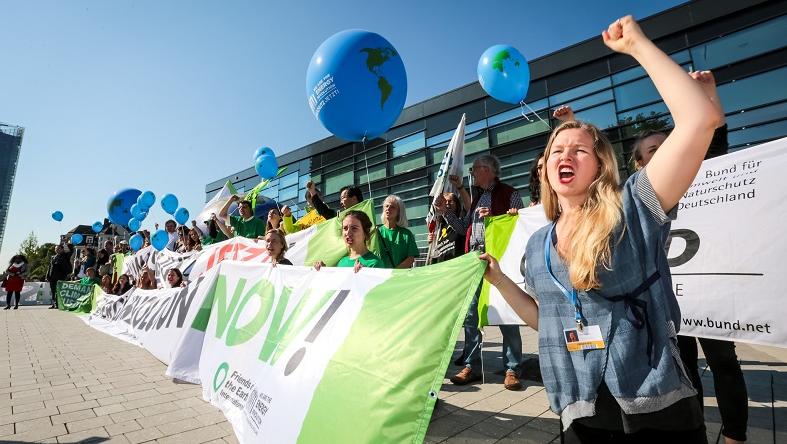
x,y
251,228
396,245
367,260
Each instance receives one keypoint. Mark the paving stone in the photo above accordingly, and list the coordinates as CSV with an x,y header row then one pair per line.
x,y
94,435
87,424
144,435
72,416
122,427
32,424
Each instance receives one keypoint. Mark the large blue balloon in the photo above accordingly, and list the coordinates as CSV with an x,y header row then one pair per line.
x,y
159,240
57,215
134,224
261,151
266,166
504,73
76,238
146,199
356,84
136,242
97,227
119,205
181,216
169,203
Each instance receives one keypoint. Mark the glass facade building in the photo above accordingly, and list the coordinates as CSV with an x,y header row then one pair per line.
x,y
743,42
10,144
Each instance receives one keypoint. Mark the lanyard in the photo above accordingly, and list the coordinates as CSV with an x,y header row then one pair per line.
x,y
570,295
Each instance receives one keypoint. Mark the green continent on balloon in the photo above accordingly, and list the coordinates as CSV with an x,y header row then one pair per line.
x,y
500,57
114,204
376,58
385,90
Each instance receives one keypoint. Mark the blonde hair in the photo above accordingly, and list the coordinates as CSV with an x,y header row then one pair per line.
x,y
600,213
401,220
283,240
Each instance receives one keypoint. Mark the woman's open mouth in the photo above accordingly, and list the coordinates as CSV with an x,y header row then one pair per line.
x,y
565,174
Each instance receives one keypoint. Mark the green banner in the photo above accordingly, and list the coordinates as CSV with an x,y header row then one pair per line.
x,y
327,244
76,297
498,230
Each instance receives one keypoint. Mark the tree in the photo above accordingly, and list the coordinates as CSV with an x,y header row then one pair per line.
x,y
37,257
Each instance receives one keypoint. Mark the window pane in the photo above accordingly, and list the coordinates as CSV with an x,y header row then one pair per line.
x,y
643,113
518,130
773,112
566,96
752,91
475,143
636,93
303,180
595,99
417,208
603,116
407,186
516,113
408,144
288,193
741,45
375,172
657,124
288,180
335,181
409,162
637,72
755,134
270,191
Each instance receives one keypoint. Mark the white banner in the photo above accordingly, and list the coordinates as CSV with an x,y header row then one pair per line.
x,y
725,249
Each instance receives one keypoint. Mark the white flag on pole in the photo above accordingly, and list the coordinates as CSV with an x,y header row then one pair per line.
x,y
453,164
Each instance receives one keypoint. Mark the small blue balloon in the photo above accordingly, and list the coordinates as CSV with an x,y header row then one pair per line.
x,y
146,199
356,84
76,239
57,215
160,239
97,227
169,203
134,224
504,73
136,241
266,166
181,216
259,152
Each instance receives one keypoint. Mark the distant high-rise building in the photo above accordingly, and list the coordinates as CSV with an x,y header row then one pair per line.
x,y
10,145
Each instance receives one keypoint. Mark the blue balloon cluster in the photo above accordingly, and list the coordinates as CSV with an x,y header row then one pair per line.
x,y
356,84
159,240
139,211
134,224
504,73
265,163
57,215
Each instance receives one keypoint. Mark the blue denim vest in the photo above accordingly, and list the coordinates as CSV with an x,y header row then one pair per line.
x,y
635,309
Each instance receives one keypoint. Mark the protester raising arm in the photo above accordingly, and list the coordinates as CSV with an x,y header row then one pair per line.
x,y
677,161
524,305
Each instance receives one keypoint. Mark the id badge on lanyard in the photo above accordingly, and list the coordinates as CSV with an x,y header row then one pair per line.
x,y
582,337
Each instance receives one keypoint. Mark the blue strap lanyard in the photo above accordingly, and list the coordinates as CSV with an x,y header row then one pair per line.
x,y
571,295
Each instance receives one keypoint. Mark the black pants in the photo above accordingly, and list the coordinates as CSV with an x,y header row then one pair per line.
x,y
728,381
577,433
8,297
53,291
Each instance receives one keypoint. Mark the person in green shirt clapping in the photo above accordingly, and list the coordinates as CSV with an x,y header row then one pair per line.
x,y
356,232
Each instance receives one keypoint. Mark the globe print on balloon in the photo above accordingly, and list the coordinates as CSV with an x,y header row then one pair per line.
x,y
119,205
504,74
356,84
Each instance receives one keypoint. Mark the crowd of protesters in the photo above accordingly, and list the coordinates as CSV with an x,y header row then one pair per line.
x,y
636,388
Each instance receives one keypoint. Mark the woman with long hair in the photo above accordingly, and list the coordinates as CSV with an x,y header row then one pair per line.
x,y
274,220
398,243
122,285
193,241
15,279
175,278
600,270
356,232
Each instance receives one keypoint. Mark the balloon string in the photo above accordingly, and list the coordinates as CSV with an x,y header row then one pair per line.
x,y
522,104
366,165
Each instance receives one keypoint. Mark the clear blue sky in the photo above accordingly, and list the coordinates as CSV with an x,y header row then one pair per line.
x,y
171,95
